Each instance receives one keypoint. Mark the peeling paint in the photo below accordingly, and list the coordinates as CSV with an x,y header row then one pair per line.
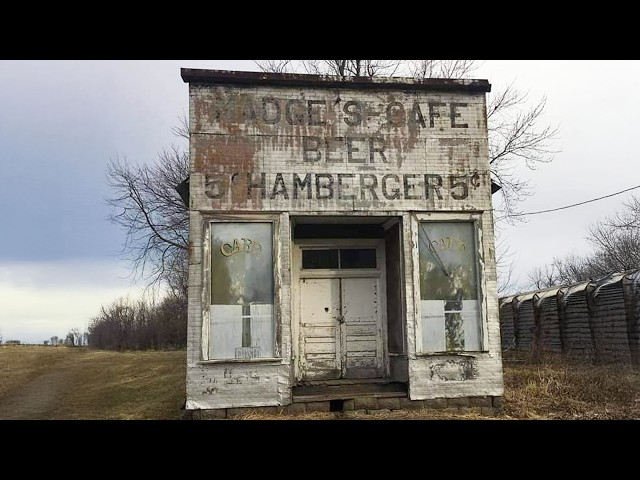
x,y
331,148
454,370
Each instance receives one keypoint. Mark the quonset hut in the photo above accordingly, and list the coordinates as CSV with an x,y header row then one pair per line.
x,y
341,244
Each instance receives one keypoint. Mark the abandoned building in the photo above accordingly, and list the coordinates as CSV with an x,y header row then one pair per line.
x,y
341,244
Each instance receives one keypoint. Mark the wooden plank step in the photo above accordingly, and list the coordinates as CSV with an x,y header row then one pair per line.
x,y
346,381
324,398
346,391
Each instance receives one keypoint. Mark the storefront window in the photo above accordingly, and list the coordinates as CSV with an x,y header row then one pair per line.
x,y
451,320
241,313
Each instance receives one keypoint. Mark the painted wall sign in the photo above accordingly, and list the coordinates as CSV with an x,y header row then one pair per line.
x,y
340,186
247,109
388,149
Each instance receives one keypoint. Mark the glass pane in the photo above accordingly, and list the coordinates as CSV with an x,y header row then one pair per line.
x,y
358,258
448,287
447,261
241,291
319,259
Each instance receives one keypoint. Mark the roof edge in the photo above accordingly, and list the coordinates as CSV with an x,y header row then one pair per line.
x,y
232,77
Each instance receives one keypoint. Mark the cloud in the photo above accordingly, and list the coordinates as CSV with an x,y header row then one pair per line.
x,y
41,299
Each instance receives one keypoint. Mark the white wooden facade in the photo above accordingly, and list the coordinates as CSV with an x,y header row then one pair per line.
x,y
339,231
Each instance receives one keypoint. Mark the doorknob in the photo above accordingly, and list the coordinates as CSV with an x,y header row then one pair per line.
x,y
340,319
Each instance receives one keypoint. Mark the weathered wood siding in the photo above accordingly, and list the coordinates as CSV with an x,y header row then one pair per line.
x,y
466,373
285,146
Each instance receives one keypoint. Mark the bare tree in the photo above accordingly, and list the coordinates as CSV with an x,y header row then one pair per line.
x,y
577,268
628,218
616,243
505,264
340,68
148,207
442,68
543,277
139,325
275,66
616,248
78,337
574,269
515,138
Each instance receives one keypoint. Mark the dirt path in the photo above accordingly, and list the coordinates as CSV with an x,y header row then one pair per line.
x,y
36,398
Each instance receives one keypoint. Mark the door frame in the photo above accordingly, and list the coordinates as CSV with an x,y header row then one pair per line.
x,y
297,274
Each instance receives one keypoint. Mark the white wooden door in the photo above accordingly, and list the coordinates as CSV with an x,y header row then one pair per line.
x,y
320,328
341,334
361,328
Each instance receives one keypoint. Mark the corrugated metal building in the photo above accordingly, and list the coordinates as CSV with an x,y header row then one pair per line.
x,y
341,244
595,321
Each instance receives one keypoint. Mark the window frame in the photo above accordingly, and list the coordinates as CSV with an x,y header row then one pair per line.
x,y
339,251
324,243
475,218
208,222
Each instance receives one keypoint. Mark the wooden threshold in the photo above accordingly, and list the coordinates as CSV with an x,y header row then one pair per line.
x,y
348,389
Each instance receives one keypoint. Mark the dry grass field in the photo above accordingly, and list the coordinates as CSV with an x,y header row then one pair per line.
x,y
63,383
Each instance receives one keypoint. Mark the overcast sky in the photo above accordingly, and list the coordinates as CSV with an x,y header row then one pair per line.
x,y
62,121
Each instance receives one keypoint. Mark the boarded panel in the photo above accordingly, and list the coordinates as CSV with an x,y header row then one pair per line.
x,y
226,328
471,325
434,325
239,331
262,335
433,334
320,311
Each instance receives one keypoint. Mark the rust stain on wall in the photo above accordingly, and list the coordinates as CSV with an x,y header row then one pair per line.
x,y
234,155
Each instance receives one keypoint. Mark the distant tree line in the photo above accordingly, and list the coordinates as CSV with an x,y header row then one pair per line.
x,y
616,248
141,325
75,338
